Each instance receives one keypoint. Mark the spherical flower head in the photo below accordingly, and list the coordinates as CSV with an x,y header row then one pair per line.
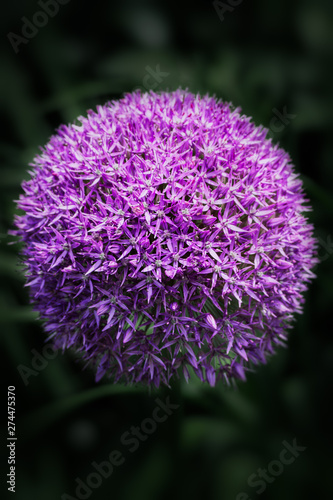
x,y
164,234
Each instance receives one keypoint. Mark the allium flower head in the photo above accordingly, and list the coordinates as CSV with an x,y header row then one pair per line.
x,y
164,234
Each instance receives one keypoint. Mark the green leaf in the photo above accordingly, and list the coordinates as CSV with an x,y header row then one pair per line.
x,y
21,314
50,413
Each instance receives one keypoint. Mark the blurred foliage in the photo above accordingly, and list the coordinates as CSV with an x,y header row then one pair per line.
x,y
263,56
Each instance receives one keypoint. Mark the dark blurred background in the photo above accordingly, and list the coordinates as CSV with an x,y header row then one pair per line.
x,y
274,59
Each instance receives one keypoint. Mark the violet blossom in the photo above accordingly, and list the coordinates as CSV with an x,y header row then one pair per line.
x,y
165,234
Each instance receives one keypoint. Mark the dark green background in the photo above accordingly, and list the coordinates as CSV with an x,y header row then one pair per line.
x,y
263,56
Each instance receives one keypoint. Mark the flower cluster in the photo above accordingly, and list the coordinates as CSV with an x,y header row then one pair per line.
x,y
164,234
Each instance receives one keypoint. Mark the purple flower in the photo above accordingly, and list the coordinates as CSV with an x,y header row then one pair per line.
x,y
165,234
